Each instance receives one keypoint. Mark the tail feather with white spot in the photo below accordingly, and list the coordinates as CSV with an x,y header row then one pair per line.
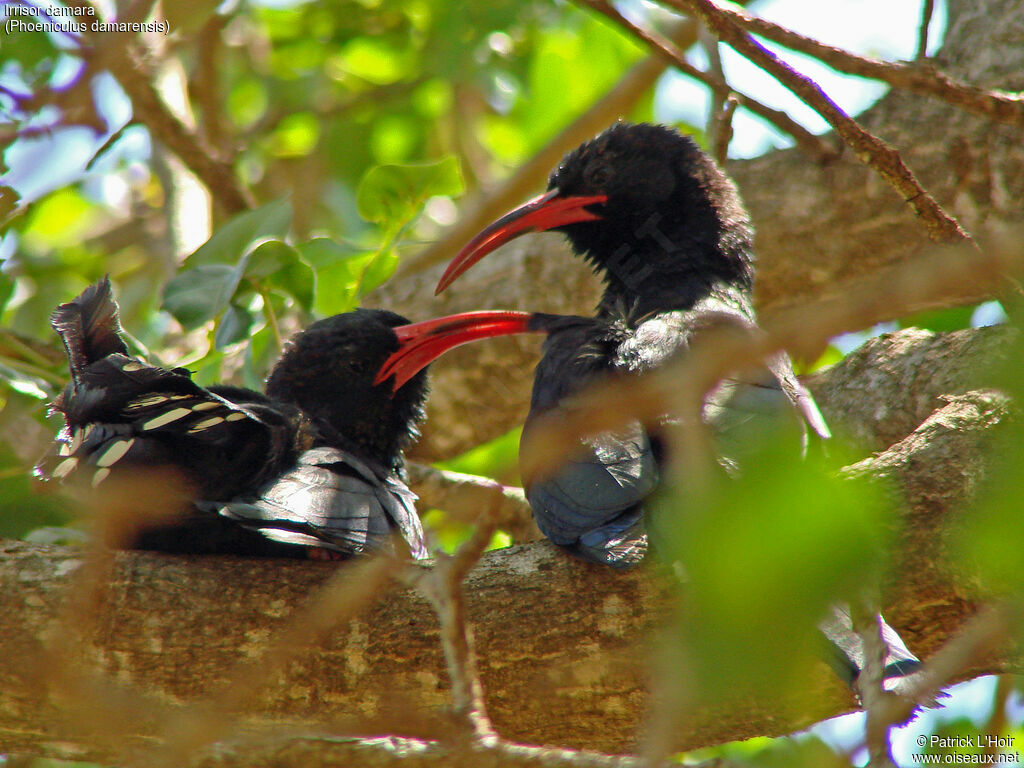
x,y
89,327
122,414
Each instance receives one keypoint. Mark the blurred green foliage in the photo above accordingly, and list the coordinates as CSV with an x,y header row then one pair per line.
x,y
357,126
762,555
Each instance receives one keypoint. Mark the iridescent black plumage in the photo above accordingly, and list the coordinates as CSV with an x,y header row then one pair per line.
x,y
277,475
667,232
347,492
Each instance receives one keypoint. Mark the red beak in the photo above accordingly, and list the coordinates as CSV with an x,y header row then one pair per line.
x,y
544,212
419,344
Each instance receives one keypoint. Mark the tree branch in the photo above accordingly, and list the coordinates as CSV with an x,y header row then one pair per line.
x,y
124,61
870,150
820,228
996,105
463,496
561,644
816,149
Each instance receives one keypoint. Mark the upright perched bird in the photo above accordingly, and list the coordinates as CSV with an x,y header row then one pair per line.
x,y
313,465
667,232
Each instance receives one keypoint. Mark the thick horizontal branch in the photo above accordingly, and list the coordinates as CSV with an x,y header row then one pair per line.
x,y
562,644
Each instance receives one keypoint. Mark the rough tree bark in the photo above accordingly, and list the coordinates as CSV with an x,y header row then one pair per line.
x,y
817,228
561,643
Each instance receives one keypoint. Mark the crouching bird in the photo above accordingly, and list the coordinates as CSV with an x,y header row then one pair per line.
x,y
313,467
667,232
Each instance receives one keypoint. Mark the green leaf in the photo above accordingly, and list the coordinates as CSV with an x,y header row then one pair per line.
x,y
235,325
378,269
336,276
496,458
60,220
394,194
298,280
233,239
6,290
261,351
323,252
198,295
278,266
247,102
25,508
374,60
768,549
268,258
297,135
28,48
941,320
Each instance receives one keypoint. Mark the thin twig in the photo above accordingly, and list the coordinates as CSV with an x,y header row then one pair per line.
x,y
205,84
710,45
462,496
817,149
721,129
867,624
927,12
442,586
984,634
871,151
921,78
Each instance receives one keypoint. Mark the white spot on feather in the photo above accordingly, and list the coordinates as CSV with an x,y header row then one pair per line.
x,y
166,418
114,452
65,467
206,424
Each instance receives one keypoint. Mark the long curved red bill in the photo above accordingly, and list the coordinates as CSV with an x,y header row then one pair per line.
x,y
419,344
546,211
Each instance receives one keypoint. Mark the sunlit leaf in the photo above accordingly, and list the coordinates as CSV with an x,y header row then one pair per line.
x,y
235,325
434,98
247,102
393,194
296,135
374,60
233,239
496,458
393,138
60,220
323,252
379,267
198,295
